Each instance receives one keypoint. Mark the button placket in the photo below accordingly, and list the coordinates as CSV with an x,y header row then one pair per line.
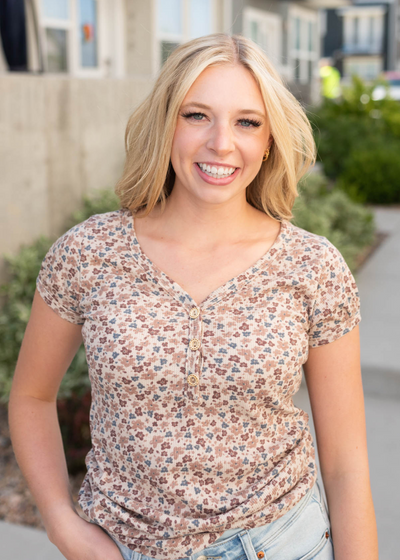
x,y
193,370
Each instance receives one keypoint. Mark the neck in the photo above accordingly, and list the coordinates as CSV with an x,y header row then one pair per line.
x,y
201,224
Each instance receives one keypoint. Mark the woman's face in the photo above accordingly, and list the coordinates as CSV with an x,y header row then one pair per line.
x,y
221,135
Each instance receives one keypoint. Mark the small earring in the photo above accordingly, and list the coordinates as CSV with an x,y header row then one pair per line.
x,y
266,155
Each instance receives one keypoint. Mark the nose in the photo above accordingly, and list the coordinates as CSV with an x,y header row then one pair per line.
x,y
221,139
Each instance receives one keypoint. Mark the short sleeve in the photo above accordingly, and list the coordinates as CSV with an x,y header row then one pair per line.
x,y
336,306
58,281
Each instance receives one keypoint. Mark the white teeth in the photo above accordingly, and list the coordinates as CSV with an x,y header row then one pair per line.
x,y
216,172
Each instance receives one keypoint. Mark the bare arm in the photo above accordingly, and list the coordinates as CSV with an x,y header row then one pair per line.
x,y
48,347
333,376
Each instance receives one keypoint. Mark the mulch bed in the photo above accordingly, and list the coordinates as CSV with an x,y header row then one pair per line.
x,y
16,501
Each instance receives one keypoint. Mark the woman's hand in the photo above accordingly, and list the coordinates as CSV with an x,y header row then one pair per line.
x,y
78,539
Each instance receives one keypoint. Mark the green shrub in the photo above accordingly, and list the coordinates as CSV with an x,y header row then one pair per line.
x,y
347,224
358,123
101,201
372,174
17,295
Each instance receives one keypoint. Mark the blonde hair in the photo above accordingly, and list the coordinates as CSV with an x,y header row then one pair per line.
x,y
148,176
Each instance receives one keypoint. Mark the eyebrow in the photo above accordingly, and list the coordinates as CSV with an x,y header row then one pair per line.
x,y
208,108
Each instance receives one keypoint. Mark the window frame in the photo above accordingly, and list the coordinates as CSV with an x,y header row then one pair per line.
x,y
307,59
371,20
359,65
263,19
160,37
72,27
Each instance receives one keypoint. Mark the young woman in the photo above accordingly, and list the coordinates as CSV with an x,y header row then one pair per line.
x,y
198,303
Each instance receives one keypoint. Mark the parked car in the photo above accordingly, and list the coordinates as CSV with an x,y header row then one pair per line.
x,y
392,89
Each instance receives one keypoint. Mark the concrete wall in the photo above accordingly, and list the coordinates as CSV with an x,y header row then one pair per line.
x,y
60,138
140,38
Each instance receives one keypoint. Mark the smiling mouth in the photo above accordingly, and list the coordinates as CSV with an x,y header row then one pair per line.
x,y
217,172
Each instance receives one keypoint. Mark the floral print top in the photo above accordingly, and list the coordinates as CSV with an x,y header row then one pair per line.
x,y
193,426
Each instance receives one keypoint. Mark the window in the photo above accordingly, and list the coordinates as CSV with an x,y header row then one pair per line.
x,y
88,33
356,26
56,43
297,28
297,69
200,18
56,16
310,71
56,9
310,36
304,44
181,20
363,29
367,68
371,29
170,17
70,35
166,49
265,29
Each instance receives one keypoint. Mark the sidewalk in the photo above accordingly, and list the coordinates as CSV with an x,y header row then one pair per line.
x,y
25,543
379,286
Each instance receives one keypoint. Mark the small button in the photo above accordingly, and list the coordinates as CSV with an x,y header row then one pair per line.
x,y
327,535
194,312
260,554
193,380
194,344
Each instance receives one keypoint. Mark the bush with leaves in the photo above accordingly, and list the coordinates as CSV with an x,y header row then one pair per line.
x,y
372,173
356,128
331,213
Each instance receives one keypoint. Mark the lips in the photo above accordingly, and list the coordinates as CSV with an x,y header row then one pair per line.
x,y
216,171
216,179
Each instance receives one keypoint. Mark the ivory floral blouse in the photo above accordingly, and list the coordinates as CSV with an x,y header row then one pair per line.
x,y
193,426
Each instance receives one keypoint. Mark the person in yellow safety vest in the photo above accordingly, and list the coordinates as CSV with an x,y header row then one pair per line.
x,y
330,78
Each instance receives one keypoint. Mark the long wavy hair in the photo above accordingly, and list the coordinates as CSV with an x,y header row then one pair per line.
x,y
148,176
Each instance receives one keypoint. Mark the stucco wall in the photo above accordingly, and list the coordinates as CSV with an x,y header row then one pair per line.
x,y
140,38
60,137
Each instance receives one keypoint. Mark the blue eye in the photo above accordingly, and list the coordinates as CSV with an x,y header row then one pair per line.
x,y
194,116
248,123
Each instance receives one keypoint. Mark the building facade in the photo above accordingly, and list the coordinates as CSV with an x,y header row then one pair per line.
x,y
363,38
132,38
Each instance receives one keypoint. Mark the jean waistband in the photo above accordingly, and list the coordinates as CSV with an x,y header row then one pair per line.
x,y
274,528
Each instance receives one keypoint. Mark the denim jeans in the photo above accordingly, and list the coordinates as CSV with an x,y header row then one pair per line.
x,y
303,533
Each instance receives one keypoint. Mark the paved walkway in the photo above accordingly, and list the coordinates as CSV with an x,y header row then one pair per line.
x,y
379,285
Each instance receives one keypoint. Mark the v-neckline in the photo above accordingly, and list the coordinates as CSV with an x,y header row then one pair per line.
x,y
172,287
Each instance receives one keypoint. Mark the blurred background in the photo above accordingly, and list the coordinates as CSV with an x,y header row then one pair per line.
x,y
72,71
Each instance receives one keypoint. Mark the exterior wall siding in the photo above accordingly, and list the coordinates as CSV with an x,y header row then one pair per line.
x,y
60,138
